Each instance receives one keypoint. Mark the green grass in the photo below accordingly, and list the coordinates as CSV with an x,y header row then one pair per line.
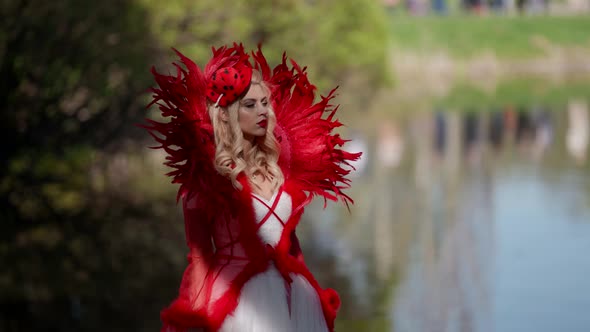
x,y
518,92
507,37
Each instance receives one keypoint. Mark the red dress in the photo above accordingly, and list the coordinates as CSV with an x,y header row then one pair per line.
x,y
214,277
221,228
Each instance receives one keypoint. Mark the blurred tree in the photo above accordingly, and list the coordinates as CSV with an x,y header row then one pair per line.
x,y
84,237
350,46
78,247
343,42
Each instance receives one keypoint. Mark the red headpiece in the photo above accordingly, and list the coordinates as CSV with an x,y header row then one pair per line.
x,y
228,75
228,84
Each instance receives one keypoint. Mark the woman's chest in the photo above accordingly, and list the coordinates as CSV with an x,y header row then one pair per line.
x,y
272,215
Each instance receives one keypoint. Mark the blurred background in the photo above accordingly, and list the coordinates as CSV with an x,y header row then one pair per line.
x,y
472,199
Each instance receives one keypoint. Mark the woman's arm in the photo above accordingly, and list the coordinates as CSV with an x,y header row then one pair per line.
x,y
189,308
198,229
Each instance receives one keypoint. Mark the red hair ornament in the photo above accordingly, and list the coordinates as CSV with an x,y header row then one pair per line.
x,y
227,84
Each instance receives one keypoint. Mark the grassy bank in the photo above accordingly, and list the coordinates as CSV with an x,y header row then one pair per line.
x,y
467,96
507,37
522,92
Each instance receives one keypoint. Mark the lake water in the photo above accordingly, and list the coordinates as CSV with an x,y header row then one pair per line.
x,y
463,221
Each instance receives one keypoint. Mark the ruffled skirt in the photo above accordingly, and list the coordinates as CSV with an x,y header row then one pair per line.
x,y
265,305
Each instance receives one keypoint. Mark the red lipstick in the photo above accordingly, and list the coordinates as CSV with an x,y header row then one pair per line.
x,y
262,123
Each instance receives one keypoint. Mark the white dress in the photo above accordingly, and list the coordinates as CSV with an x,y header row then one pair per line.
x,y
264,304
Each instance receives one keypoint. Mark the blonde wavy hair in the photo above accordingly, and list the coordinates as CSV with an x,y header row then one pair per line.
x,y
231,159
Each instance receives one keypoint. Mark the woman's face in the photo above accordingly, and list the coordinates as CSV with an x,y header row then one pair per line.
x,y
253,113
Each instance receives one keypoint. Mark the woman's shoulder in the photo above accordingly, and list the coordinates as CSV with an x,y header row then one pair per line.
x,y
215,191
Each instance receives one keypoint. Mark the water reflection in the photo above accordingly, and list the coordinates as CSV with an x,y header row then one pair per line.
x,y
451,229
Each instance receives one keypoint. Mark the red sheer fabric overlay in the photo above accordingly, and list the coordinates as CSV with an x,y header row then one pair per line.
x,y
225,254
217,266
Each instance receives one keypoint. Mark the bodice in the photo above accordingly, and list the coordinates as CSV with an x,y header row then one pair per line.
x,y
271,215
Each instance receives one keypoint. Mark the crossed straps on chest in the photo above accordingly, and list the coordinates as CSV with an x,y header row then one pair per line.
x,y
270,212
270,250
271,209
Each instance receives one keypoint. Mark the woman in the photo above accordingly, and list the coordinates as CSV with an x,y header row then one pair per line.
x,y
246,173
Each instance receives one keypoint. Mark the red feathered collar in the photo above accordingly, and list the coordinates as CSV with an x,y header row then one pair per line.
x,y
311,153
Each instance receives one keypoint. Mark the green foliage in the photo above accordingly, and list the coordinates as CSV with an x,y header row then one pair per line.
x,y
350,43
73,77
339,41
